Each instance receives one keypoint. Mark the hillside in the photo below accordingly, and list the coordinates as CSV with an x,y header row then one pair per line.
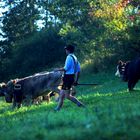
x,y
111,113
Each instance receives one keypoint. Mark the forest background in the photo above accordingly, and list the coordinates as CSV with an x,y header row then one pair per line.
x,y
33,34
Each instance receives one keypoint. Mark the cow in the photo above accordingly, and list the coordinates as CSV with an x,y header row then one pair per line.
x,y
29,88
129,72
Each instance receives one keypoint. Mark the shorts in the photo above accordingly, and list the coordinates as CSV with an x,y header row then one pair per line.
x,y
68,81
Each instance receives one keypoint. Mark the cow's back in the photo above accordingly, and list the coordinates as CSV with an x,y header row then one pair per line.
x,y
134,68
39,83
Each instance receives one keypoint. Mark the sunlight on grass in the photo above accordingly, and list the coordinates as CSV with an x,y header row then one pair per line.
x,y
109,113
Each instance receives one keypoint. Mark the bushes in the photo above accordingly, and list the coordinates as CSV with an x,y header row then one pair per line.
x,y
36,53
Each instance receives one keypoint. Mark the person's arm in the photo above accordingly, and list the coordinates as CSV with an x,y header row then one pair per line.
x,y
67,65
77,75
59,69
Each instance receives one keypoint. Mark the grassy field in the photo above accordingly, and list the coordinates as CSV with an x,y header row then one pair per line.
x,y
112,113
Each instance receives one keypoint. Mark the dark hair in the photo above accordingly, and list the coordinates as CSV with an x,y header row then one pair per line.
x,y
70,48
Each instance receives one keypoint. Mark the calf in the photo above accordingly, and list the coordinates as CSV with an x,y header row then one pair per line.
x,y
129,71
31,87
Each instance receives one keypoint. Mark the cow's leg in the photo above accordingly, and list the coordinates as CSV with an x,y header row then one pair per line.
x,y
14,104
19,98
38,100
52,94
48,97
19,105
55,92
131,84
57,96
14,100
28,100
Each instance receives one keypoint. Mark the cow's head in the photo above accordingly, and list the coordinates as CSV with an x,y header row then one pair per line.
x,y
2,89
122,70
4,92
8,92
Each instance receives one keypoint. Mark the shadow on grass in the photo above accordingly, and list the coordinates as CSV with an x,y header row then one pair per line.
x,y
135,91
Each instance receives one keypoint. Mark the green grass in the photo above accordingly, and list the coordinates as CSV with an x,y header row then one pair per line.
x,y
112,113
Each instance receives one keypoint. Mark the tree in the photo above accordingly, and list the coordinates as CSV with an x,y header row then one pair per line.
x,y
19,20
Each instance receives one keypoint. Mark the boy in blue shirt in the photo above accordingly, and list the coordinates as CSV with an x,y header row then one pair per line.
x,y
71,76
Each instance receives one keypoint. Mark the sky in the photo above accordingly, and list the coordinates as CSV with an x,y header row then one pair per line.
x,y
40,23
2,9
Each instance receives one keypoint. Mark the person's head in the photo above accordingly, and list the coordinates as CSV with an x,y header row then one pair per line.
x,y
70,48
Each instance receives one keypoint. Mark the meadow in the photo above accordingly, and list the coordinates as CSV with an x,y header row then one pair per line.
x,y
111,113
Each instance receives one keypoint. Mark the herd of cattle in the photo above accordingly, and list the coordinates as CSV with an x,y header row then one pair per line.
x,y
29,89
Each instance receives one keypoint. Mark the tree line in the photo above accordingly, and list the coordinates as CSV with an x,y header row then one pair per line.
x,y
103,31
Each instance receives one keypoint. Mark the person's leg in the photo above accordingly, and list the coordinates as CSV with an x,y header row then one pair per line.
x,y
61,100
74,100
73,91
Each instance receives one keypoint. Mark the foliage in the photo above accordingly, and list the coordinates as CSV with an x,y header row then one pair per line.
x,y
19,21
120,19
103,31
35,53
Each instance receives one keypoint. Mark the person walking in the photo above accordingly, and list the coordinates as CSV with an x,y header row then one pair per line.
x,y
71,75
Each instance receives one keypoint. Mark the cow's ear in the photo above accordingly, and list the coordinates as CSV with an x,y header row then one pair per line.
x,y
120,62
14,81
4,85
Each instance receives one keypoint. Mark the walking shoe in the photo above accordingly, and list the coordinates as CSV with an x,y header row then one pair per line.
x,y
56,109
81,105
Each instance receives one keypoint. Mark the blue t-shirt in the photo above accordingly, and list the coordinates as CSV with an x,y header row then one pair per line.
x,y
71,66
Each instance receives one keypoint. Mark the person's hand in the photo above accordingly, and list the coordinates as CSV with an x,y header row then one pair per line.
x,y
56,69
59,69
75,83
